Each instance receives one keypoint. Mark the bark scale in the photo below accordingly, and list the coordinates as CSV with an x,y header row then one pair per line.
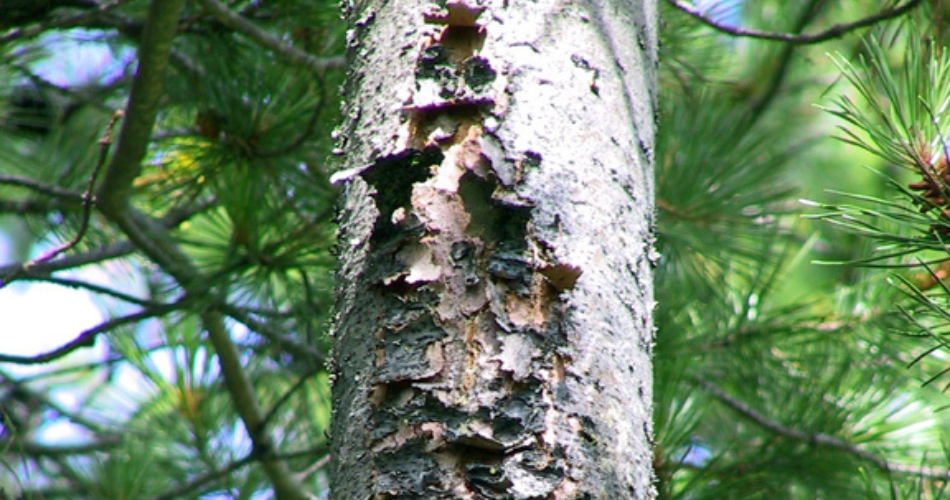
x,y
493,326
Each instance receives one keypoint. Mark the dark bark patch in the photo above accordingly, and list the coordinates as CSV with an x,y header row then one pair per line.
x,y
409,353
450,73
512,269
531,160
521,416
434,63
478,73
493,220
462,42
462,252
392,178
407,472
476,196
489,480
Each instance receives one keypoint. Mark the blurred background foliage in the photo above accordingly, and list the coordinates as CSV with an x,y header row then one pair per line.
x,y
237,170
775,377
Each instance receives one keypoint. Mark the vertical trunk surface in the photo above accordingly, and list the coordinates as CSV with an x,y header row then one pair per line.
x,y
493,332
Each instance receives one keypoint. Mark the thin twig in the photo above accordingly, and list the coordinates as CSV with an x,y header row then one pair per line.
x,y
287,395
287,52
319,464
87,199
36,206
173,218
93,366
194,484
14,272
801,39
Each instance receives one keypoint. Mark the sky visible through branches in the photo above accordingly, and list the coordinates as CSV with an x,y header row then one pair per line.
x,y
39,317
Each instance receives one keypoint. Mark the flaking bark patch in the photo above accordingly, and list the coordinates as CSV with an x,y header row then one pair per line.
x,y
447,228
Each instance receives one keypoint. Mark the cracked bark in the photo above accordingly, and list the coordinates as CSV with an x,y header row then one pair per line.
x,y
493,327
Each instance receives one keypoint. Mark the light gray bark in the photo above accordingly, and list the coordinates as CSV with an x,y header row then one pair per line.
x,y
493,332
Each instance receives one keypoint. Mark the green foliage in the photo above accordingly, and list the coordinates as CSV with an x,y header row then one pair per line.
x,y
235,180
903,117
907,127
776,378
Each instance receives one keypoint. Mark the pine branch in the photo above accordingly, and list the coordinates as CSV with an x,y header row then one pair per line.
x,y
142,108
92,287
154,240
85,339
817,438
13,272
286,486
40,188
40,450
835,31
24,387
151,237
287,52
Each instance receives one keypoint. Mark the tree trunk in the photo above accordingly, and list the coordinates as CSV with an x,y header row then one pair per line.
x,y
493,327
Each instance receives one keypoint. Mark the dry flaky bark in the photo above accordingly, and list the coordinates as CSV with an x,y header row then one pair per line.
x,y
493,333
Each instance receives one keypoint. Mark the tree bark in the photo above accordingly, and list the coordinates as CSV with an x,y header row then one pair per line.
x,y
493,326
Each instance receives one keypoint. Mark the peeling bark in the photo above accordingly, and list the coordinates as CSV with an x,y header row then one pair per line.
x,y
493,327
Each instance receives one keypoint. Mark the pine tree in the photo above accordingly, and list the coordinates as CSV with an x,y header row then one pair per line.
x,y
206,211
